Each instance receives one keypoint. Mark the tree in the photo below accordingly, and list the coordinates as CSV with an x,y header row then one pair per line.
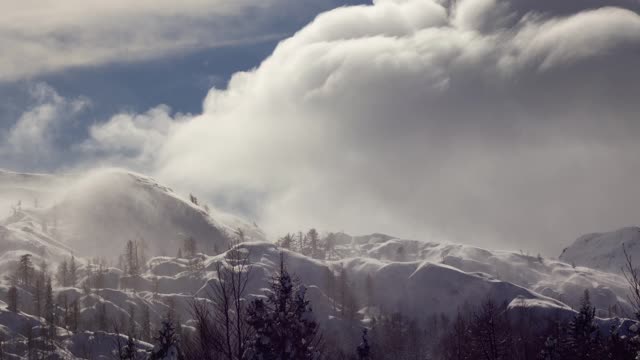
x,y
232,333
286,241
145,324
50,310
348,300
363,350
456,344
101,316
100,277
369,290
190,246
490,331
12,298
125,350
25,270
132,320
283,323
313,238
131,257
73,272
62,275
166,342
330,246
75,316
207,340
582,337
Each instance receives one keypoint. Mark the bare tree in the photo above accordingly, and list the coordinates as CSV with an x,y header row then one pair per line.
x,y
632,276
227,294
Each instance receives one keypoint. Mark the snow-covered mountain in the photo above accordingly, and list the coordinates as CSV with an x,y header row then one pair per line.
x,y
93,215
604,251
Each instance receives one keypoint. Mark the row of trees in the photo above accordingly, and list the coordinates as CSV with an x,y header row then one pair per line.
x,y
309,244
281,325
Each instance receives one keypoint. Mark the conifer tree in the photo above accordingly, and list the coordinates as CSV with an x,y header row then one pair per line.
x,y
166,342
63,274
283,323
582,340
363,350
12,298
25,270
145,323
73,272
50,310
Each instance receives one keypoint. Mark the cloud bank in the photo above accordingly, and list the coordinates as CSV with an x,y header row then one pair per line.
x,y
50,36
497,123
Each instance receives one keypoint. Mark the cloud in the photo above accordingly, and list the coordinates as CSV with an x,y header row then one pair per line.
x,y
487,123
33,140
502,124
46,37
131,139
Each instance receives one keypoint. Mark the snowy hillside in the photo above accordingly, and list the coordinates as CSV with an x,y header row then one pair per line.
x,y
553,278
604,251
96,213
92,216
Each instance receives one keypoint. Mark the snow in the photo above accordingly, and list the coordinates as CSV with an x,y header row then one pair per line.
x,y
94,214
604,250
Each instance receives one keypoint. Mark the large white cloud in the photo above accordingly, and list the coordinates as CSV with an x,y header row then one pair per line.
x,y
485,121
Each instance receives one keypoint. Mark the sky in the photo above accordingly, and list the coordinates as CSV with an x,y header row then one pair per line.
x,y
500,123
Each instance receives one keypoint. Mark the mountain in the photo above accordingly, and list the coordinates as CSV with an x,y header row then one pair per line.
x,y
95,214
92,215
604,251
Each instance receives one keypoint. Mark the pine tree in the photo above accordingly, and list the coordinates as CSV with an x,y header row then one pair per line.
x,y
166,342
50,310
62,275
75,316
312,237
102,316
73,272
38,294
131,257
12,298
551,349
130,351
287,241
363,350
582,340
145,323
25,270
348,301
283,323
369,290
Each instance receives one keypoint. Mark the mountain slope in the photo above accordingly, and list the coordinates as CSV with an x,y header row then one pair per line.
x,y
604,251
94,214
